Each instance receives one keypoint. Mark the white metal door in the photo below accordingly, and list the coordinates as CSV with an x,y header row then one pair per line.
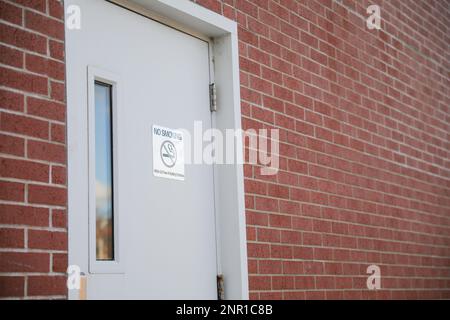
x,y
164,229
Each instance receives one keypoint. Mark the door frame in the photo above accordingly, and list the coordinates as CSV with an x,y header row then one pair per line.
x,y
221,33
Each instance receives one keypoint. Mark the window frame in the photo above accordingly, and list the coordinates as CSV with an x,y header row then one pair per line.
x,y
116,265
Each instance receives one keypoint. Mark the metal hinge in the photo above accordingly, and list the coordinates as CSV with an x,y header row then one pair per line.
x,y
220,287
212,97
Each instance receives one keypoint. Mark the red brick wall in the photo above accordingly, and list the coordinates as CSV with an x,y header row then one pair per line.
x,y
364,123
33,228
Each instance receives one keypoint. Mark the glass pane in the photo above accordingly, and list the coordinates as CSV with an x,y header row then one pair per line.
x,y
103,173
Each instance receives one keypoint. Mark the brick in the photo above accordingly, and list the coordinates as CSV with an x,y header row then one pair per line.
x,y
59,175
46,109
312,238
281,251
11,238
10,56
23,39
15,84
263,115
313,267
266,204
269,267
58,133
289,207
304,253
23,215
12,286
47,286
252,266
278,191
56,70
294,295
47,195
25,170
12,145
45,25
292,267
56,9
57,91
39,5
60,262
283,283
253,186
299,194
10,13
36,64
305,282
315,295
257,218
322,226
249,66
258,250
297,166
24,125
11,100
59,218
248,37
46,151
283,93
291,237
254,295
259,283
24,262
279,11
260,85
273,104
11,191
52,240
23,81
330,91
268,235
53,69
56,50
280,221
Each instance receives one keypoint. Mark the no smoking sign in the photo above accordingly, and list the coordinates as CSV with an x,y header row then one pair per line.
x,y
168,153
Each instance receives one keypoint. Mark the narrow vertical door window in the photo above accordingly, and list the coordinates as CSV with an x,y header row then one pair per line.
x,y
104,172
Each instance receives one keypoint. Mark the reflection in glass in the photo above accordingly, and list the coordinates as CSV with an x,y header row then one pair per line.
x,y
103,173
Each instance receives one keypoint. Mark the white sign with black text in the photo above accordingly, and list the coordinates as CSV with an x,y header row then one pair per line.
x,y
168,153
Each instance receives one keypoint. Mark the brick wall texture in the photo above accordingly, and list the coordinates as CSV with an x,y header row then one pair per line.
x,y
364,120
33,229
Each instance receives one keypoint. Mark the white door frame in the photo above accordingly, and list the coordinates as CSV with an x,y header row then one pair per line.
x,y
193,19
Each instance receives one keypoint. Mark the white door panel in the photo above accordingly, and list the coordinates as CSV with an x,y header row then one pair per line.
x,y
167,226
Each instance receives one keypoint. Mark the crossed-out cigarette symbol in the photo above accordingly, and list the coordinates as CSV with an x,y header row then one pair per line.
x,y
168,153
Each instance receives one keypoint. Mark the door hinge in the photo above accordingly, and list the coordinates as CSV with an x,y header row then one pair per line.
x,y
212,97
220,287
